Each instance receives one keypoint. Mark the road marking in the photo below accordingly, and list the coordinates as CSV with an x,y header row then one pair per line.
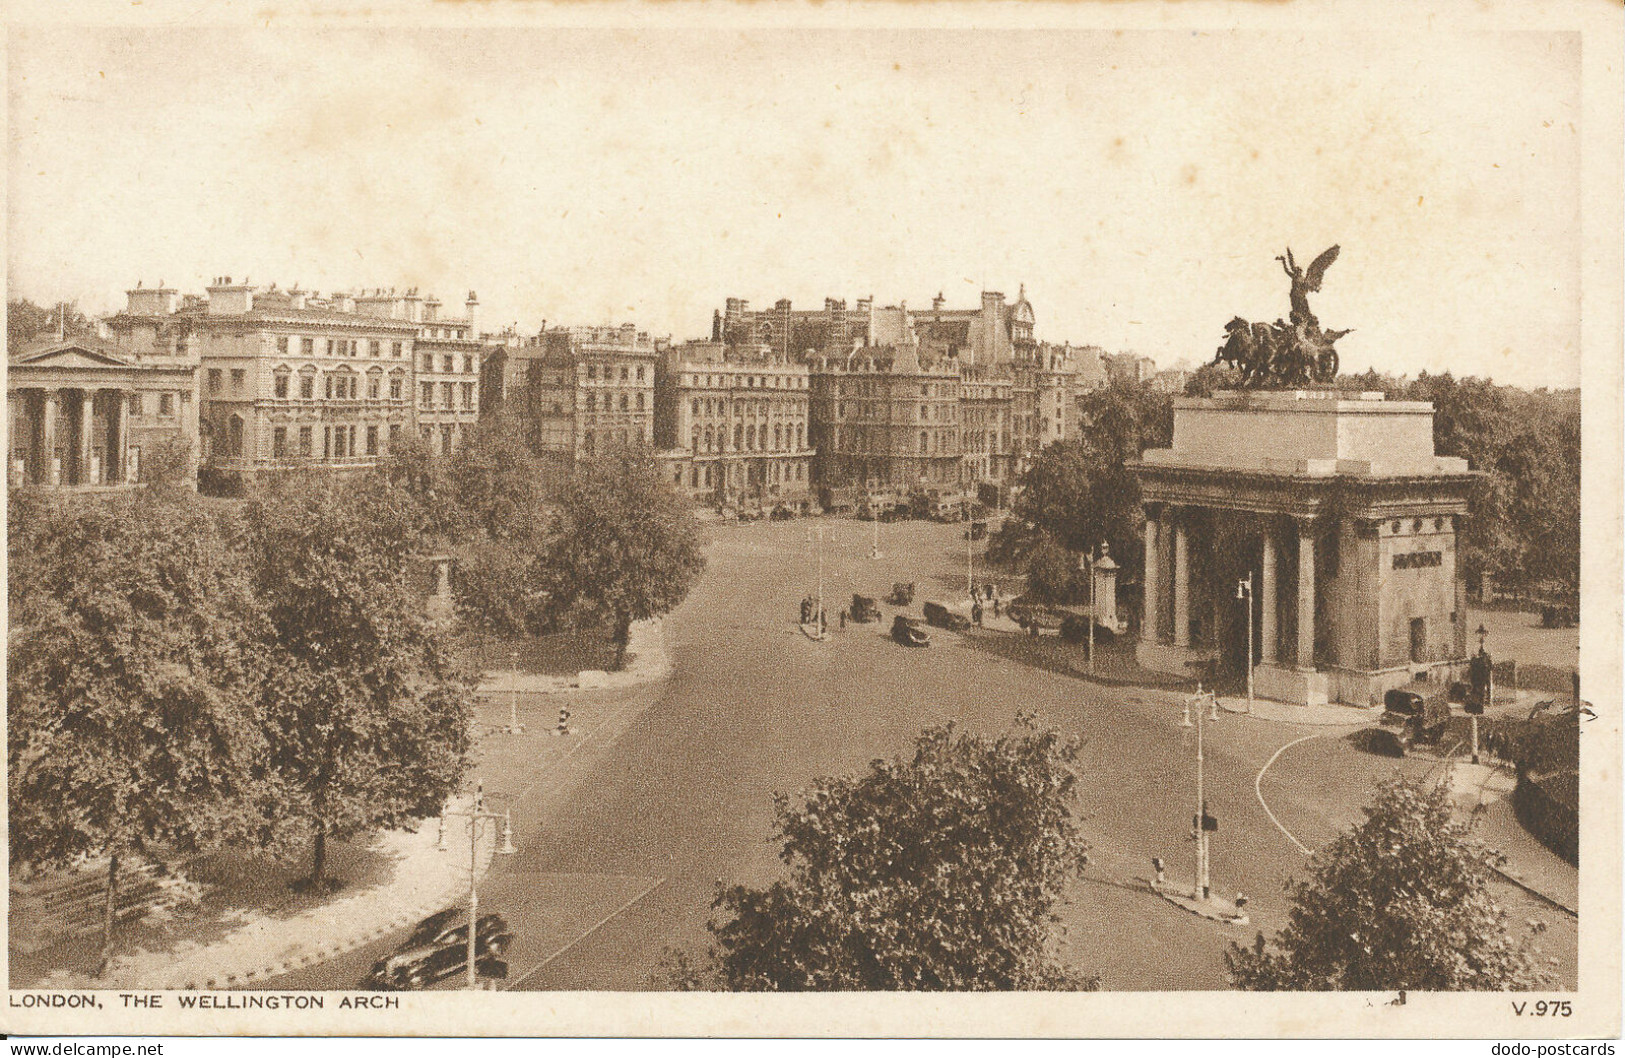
x,y
534,970
1258,789
552,766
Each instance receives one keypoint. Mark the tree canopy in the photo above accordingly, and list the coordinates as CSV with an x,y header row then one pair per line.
x,y
368,719
623,544
936,871
132,681
26,321
1398,901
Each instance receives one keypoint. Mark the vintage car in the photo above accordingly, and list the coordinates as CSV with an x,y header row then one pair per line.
x,y
1030,615
902,594
438,949
907,631
942,617
864,609
1402,702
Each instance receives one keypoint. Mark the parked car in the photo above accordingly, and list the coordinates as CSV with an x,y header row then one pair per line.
x,y
864,609
942,617
438,949
1402,702
1029,614
902,594
907,631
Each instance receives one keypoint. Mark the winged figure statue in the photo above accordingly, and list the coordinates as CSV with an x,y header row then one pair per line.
x,y
1283,353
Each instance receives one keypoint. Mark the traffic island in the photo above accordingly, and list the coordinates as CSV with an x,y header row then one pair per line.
x,y
1215,907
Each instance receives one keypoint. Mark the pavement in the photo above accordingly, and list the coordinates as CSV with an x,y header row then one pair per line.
x,y
1333,715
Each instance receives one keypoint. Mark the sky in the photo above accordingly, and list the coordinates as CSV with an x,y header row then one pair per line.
x,y
1140,184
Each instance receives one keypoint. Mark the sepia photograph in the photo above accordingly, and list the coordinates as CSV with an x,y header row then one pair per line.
x,y
628,511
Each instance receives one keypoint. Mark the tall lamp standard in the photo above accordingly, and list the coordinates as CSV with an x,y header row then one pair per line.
x,y
514,726
476,814
1489,686
1244,591
1086,562
1203,888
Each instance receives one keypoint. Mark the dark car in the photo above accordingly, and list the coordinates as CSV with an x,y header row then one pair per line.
x,y
864,609
902,593
942,617
438,949
1402,702
907,631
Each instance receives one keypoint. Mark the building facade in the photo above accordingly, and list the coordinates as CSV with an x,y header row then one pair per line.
x,y
732,423
577,390
1338,523
81,412
285,378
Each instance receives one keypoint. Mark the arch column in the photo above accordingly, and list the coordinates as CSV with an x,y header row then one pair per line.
x,y
1182,581
50,467
1306,595
1150,604
1268,599
87,412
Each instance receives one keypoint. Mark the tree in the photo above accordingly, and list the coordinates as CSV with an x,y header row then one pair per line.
x,y
624,545
1398,901
368,718
1052,572
132,683
26,321
936,871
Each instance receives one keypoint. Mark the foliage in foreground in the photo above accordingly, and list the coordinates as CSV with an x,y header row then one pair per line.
x,y
1398,901
133,675
939,871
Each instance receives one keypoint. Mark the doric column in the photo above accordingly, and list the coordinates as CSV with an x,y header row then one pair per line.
x,y
1149,625
1182,583
1268,599
50,469
87,409
1306,596
121,444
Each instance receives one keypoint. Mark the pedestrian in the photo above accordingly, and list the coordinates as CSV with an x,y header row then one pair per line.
x,y
843,620
995,606
823,623
976,613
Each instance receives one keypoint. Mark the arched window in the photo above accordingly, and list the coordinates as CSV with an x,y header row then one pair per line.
x,y
924,440
710,438
739,435
234,435
694,440
778,437
750,436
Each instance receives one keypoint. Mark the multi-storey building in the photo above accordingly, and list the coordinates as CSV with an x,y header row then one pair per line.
x,y
286,378
985,428
446,358
1129,368
732,422
577,390
883,415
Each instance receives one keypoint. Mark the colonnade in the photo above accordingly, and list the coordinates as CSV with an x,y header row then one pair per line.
x,y
1169,528
53,436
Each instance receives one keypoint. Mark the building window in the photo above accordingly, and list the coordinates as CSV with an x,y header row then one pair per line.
x,y
373,382
586,442
214,380
372,440
640,402
307,387
428,361
468,364
305,441
426,394
166,404
640,373
135,404
282,344
237,377
394,434
448,363
592,401
234,436
396,348
279,442
625,373
445,440
592,371
331,346
447,395
394,387
468,395
307,346
374,347
327,386
279,387
696,406
624,402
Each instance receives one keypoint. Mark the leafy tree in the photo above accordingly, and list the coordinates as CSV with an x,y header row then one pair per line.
x,y
368,718
26,321
936,871
1052,572
624,544
132,683
1398,901
1079,492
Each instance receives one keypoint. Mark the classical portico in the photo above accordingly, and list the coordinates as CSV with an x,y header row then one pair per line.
x,y
1337,511
78,412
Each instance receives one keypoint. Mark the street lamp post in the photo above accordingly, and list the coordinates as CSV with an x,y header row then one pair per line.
x,y
514,726
1244,591
1203,888
1087,560
476,814
1489,688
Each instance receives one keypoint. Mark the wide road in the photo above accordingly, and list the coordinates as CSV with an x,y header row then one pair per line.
x,y
621,859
